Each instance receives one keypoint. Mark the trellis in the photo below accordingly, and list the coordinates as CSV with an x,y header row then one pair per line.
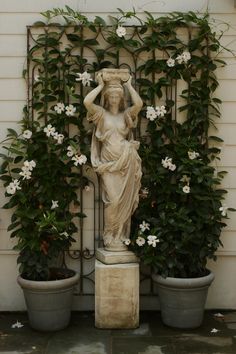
x,y
56,53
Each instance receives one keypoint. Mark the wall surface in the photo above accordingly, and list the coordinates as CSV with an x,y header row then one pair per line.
x,y
15,15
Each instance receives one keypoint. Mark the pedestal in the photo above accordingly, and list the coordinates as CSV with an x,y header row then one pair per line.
x,y
116,290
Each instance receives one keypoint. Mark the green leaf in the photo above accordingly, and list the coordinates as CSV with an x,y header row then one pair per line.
x,y
3,167
39,23
144,82
215,138
13,202
12,132
74,38
13,225
16,151
14,234
91,41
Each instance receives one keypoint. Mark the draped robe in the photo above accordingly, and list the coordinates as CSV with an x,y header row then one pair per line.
x,y
115,158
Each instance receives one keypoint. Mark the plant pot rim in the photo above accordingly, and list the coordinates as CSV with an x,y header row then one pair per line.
x,y
48,284
184,282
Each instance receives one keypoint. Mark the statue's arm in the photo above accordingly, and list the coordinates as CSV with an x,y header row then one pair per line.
x,y
91,107
136,99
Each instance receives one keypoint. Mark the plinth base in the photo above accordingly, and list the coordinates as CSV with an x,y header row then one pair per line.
x,y
109,257
116,295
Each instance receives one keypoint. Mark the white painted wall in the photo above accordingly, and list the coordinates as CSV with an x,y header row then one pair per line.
x,y
15,15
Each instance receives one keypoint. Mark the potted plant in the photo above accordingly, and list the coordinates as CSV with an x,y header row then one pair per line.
x,y
181,212
41,171
178,229
178,224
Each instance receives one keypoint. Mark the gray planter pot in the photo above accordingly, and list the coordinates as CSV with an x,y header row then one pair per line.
x,y
183,301
49,302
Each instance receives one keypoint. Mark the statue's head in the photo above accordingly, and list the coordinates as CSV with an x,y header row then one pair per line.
x,y
114,95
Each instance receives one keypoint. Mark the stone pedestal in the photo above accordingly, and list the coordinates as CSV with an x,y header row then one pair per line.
x,y
116,290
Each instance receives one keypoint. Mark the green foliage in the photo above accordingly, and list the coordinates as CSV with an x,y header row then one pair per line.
x,y
187,225
41,219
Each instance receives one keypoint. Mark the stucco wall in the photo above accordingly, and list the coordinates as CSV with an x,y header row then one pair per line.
x,y
15,15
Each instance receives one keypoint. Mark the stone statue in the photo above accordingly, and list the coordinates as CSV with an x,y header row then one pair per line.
x,y
114,152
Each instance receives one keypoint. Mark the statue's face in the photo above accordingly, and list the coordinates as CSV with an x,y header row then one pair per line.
x,y
114,98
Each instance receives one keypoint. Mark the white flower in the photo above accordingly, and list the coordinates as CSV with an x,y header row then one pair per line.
x,y
59,108
161,111
49,130
127,242
27,134
172,167
25,173
186,189
152,240
121,31
32,164
11,189
144,192
55,135
64,234
13,186
186,56
193,155
28,165
87,188
17,325
167,163
84,77
76,159
223,210
170,62
140,241
70,110
70,151
144,226
54,204
82,159
151,113
214,330
16,184
37,78
219,315
185,179
58,137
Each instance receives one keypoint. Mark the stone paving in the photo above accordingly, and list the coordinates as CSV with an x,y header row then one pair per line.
x,y
217,335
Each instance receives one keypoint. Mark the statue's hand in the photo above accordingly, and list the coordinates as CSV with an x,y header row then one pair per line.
x,y
100,79
128,82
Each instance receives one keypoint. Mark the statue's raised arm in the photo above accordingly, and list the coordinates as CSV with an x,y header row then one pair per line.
x,y
114,153
92,95
136,99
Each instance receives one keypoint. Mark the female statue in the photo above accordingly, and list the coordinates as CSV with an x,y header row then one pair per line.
x,y
114,153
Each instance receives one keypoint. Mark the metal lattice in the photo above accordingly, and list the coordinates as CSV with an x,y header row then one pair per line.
x,y
60,52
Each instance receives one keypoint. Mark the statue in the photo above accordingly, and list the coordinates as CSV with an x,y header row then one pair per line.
x,y
114,153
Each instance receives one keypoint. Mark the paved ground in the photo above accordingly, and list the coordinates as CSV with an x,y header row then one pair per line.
x,y
152,337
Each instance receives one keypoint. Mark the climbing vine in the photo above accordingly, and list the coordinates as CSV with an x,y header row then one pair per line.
x,y
173,60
